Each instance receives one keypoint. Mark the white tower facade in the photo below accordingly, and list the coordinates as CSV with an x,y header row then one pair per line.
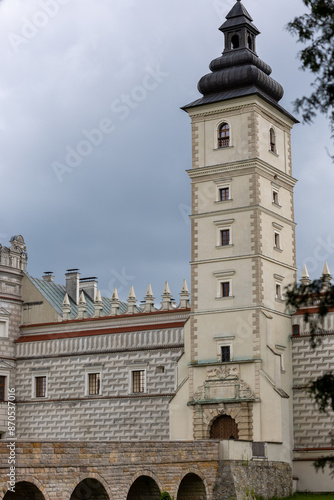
x,y
235,378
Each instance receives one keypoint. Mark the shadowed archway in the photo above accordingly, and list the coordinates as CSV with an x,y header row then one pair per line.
x,y
224,427
144,488
89,489
24,491
191,488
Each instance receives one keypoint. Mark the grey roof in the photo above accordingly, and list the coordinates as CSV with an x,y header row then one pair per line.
x,y
234,94
237,16
55,294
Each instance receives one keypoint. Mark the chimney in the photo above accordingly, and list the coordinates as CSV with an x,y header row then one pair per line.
x,y
89,286
72,284
48,276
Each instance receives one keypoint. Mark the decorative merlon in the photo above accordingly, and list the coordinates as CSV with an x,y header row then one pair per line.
x,y
66,308
184,302
131,301
149,300
305,278
114,303
82,306
166,298
98,305
326,276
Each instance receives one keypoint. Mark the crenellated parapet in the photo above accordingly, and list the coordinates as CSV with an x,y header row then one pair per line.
x,y
81,311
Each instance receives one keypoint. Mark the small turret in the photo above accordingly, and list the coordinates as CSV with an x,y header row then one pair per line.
x,y
66,308
326,277
305,279
184,302
98,305
166,298
149,300
131,301
82,306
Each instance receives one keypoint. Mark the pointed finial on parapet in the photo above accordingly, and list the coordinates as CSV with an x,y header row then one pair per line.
x,y
131,301
326,276
305,278
149,300
184,302
114,311
82,306
98,305
66,308
166,298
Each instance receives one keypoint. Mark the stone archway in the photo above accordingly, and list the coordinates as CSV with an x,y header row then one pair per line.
x,y
192,487
89,489
144,488
24,491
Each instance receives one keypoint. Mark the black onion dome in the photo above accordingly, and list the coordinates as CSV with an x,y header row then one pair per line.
x,y
239,67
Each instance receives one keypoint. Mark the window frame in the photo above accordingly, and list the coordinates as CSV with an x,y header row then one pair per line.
x,y
277,240
226,341
4,319
278,291
221,288
137,368
93,370
225,235
5,387
219,139
272,140
35,376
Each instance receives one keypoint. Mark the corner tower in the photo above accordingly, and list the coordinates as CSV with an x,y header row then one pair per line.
x,y
238,352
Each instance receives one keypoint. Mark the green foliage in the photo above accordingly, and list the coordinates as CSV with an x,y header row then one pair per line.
x,y
165,496
315,29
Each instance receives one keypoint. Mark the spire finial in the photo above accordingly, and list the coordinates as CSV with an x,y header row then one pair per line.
x,y
305,278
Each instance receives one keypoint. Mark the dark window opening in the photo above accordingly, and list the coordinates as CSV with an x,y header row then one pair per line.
x,y
235,42
272,140
138,381
224,194
224,135
94,383
225,353
250,42
225,289
225,237
275,197
277,240
40,387
295,330
2,388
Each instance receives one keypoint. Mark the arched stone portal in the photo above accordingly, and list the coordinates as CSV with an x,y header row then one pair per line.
x,y
144,488
89,489
24,491
191,488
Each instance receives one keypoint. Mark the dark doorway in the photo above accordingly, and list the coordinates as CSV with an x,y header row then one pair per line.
x,y
24,491
89,489
191,488
224,427
144,488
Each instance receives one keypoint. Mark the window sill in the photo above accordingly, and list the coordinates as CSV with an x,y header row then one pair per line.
x,y
281,301
276,204
225,298
224,201
273,152
278,249
225,246
222,148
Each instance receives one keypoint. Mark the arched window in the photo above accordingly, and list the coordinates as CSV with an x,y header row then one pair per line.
x,y
224,135
250,42
272,140
224,427
235,42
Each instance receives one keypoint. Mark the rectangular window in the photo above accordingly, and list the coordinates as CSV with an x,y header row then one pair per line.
x,y
278,291
225,289
225,353
277,242
138,381
295,329
224,194
225,237
94,383
275,197
2,388
40,387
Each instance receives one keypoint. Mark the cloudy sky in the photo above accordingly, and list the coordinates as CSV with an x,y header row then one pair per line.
x,y
116,72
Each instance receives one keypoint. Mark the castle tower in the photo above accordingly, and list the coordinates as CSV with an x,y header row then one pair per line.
x,y
235,377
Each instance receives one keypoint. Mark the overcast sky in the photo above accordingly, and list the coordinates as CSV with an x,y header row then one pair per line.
x,y
119,210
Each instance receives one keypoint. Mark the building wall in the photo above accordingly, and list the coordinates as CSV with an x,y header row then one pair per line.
x,y
68,412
